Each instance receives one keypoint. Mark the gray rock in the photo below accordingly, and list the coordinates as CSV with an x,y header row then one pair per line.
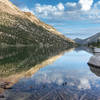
x,y
95,60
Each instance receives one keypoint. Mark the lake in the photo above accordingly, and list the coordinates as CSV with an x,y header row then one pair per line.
x,y
41,75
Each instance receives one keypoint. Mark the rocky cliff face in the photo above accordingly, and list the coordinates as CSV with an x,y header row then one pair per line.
x,y
17,27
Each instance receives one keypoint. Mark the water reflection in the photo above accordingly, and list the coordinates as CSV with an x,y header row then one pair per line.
x,y
17,63
85,48
62,77
94,61
95,70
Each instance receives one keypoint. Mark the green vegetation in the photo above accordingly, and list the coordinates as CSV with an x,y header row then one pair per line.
x,y
18,59
94,44
17,30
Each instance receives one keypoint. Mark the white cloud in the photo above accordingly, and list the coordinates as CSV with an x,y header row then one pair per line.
x,y
60,6
94,13
49,10
26,9
84,84
47,77
83,10
71,4
86,4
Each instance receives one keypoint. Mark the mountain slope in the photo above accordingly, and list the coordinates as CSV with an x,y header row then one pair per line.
x,y
17,27
78,40
89,40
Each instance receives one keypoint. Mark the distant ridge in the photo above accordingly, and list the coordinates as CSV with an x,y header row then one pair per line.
x,y
89,40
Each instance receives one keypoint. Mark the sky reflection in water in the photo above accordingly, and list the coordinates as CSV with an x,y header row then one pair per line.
x,y
68,76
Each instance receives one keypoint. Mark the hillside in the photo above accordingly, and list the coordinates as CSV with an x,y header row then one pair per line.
x,y
18,28
90,40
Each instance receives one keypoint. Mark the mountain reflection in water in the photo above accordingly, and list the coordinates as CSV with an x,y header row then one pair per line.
x,y
63,76
17,63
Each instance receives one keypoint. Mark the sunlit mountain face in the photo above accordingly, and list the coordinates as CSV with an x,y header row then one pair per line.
x,y
67,16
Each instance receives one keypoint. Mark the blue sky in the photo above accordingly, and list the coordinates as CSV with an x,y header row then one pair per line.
x,y
74,18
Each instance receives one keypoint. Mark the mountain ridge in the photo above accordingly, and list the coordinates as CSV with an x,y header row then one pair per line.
x,y
18,27
89,40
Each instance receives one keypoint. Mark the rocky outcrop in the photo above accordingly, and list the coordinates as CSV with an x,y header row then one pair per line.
x,y
95,60
94,64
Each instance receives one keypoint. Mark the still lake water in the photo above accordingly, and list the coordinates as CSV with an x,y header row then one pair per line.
x,y
66,76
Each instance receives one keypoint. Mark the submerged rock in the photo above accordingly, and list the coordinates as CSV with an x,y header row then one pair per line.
x,y
95,70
